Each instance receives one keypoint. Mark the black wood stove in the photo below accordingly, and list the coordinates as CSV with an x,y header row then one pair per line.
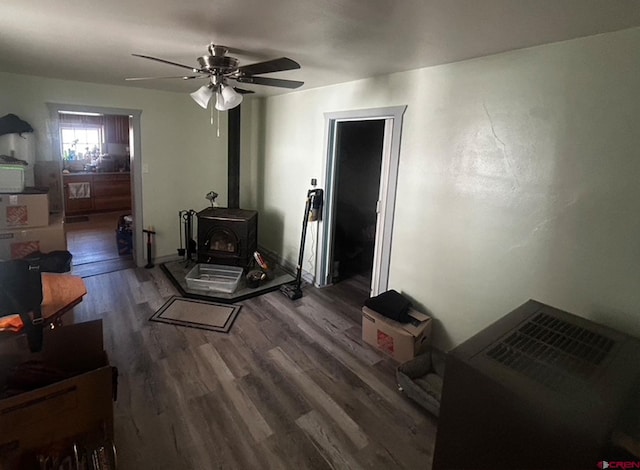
x,y
227,236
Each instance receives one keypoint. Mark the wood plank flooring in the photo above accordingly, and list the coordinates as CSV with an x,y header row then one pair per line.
x,y
93,240
292,386
93,245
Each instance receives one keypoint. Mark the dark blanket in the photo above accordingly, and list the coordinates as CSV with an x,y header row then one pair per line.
x,y
391,304
12,124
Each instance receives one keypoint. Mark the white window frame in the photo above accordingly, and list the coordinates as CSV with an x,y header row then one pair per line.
x,y
77,126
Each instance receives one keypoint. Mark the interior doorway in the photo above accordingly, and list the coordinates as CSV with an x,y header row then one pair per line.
x,y
359,147
101,185
379,133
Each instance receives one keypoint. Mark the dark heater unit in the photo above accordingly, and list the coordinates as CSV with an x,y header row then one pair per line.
x,y
539,389
227,236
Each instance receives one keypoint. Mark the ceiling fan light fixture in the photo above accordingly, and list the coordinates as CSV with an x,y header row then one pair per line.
x,y
220,106
227,98
202,95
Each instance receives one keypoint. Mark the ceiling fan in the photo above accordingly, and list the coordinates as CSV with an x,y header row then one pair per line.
x,y
220,68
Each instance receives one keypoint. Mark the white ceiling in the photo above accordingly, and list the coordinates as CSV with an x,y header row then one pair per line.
x,y
334,40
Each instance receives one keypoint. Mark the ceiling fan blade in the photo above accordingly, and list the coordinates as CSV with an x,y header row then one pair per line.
x,y
167,62
183,77
274,65
242,91
270,82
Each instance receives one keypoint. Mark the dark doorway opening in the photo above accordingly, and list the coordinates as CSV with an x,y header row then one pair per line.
x,y
359,161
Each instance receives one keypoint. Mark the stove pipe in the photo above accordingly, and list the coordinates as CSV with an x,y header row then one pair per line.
x,y
233,164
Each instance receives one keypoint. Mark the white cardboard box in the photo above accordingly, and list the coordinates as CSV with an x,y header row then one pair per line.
x,y
401,341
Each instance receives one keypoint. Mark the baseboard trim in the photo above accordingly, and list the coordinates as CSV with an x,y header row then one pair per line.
x,y
162,259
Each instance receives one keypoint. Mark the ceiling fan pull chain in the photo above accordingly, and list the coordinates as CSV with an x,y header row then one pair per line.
x,y
218,133
211,106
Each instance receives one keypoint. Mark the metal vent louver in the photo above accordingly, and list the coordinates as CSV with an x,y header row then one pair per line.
x,y
554,353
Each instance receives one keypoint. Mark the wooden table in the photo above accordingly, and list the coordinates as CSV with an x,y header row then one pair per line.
x,y
60,293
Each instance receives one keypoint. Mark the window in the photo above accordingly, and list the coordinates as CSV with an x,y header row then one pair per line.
x,y
81,141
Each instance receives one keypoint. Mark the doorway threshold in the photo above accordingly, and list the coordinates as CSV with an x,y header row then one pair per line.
x,y
102,267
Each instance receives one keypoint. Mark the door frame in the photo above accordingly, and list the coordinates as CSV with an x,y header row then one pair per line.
x,y
135,160
393,117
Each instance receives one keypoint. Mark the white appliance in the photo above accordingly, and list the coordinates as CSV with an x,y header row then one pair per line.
x,y
22,147
11,178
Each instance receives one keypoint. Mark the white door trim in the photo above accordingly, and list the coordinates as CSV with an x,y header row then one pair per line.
x,y
135,164
386,199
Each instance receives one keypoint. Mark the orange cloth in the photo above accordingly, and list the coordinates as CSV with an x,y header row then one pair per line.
x,y
11,323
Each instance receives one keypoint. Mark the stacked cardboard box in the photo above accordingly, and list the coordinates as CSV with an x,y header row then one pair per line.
x,y
25,225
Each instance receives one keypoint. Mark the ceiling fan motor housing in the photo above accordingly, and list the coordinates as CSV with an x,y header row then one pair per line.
x,y
223,65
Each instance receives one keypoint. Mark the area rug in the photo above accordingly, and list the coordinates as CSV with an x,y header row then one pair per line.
x,y
195,313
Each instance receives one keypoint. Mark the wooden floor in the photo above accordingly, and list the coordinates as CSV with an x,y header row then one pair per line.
x,y
291,386
93,245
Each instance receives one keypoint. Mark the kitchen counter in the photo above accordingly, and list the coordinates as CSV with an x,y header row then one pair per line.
x,y
84,173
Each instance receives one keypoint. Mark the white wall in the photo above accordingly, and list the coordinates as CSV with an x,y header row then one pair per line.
x,y
185,158
519,178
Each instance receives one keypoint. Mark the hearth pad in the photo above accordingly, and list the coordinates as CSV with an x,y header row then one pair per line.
x,y
177,271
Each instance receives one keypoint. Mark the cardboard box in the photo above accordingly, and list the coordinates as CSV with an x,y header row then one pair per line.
x,y
401,341
75,406
24,210
15,244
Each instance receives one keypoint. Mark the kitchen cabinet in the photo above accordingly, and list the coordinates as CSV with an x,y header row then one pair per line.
x,y
77,205
117,129
111,192
106,192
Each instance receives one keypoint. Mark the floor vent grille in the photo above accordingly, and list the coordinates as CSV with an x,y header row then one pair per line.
x,y
552,352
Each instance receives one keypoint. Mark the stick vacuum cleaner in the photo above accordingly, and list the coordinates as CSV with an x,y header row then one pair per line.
x,y
293,290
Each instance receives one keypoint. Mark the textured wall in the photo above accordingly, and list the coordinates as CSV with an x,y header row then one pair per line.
x,y
518,179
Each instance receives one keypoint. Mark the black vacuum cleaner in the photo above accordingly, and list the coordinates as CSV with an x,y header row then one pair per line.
x,y
293,290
